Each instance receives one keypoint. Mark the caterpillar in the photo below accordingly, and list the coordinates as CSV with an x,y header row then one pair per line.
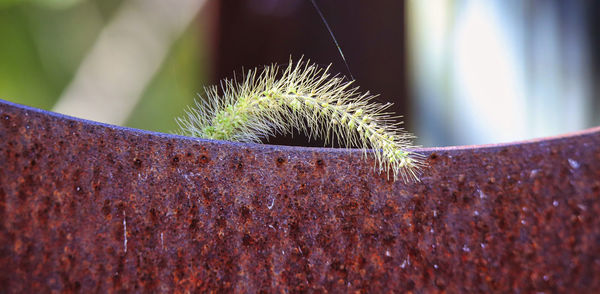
x,y
305,97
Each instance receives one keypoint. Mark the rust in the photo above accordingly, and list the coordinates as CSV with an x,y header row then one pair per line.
x,y
87,207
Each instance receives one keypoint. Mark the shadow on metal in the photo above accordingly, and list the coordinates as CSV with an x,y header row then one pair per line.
x,y
87,207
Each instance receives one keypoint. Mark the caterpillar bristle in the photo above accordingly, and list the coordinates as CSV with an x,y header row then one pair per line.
x,y
308,98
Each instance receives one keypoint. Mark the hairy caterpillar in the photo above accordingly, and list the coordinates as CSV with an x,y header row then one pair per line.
x,y
307,98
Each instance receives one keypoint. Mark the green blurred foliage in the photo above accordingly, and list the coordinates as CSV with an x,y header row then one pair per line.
x,y
8,3
59,4
23,78
42,49
42,44
174,87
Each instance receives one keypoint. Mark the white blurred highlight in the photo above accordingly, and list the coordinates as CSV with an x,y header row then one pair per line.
x,y
496,71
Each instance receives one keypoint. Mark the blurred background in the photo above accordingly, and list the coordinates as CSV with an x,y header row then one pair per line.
x,y
461,72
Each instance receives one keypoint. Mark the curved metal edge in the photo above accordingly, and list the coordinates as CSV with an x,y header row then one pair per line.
x,y
426,150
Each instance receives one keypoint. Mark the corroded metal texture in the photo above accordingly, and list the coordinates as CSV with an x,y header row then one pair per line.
x,y
86,207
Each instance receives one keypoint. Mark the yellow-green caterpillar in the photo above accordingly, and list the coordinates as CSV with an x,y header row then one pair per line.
x,y
307,98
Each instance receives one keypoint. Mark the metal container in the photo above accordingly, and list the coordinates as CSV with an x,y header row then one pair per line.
x,y
87,207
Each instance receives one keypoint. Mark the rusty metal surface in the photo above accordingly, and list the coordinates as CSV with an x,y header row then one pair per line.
x,y
86,207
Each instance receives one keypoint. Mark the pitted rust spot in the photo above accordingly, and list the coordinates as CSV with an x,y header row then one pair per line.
x,y
137,163
280,161
237,163
213,216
